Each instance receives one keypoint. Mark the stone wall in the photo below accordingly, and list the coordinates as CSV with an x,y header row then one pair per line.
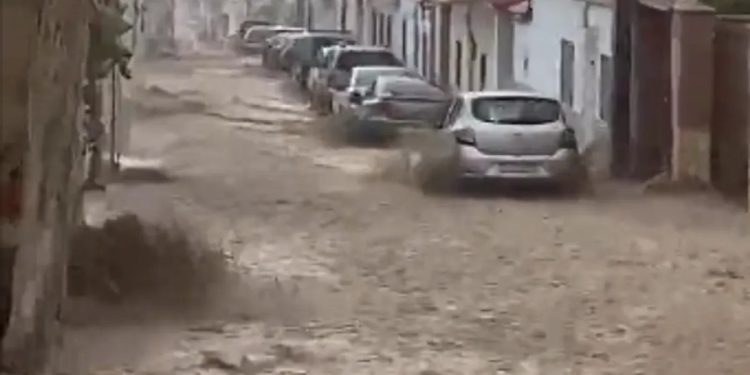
x,y
43,62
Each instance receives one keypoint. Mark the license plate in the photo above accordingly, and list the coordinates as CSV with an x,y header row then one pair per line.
x,y
510,168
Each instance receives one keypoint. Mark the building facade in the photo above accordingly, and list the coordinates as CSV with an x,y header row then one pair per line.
x,y
43,66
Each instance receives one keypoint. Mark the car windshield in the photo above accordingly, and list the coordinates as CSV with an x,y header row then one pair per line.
x,y
366,78
520,110
352,59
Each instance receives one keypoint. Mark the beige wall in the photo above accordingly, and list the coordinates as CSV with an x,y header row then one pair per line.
x,y
46,114
692,73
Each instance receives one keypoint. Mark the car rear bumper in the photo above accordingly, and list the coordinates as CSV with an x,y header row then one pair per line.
x,y
562,165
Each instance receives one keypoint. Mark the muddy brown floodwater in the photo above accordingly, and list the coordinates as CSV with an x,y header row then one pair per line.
x,y
264,249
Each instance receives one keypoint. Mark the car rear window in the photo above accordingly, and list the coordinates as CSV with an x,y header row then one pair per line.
x,y
516,110
412,88
349,60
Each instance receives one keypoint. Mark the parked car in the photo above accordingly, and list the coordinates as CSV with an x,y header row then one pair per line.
x,y
273,47
317,79
256,36
244,25
339,64
362,79
300,54
393,103
507,135
236,39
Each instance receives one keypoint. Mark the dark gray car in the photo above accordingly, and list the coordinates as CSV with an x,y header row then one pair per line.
x,y
396,102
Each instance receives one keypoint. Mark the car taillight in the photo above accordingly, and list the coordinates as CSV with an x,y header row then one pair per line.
x,y
465,136
568,140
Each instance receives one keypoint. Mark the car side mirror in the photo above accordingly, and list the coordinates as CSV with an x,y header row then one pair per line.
x,y
356,97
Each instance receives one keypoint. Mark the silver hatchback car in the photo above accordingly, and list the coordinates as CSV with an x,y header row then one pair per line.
x,y
510,135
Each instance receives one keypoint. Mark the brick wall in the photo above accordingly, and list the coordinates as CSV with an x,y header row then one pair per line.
x,y
44,56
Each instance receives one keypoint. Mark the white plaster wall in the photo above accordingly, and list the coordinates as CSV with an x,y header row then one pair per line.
x,y
441,51
325,14
366,37
237,11
603,18
353,24
399,14
539,41
502,63
483,21
458,33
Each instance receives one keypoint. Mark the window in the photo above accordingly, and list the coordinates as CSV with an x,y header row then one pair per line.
x,y
388,30
374,28
521,110
606,79
381,29
567,72
483,72
459,63
404,33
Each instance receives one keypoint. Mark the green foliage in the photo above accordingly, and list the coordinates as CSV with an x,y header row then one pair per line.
x,y
730,6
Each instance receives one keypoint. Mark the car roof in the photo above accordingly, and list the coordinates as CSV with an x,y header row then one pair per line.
x,y
317,34
358,48
276,27
378,68
403,80
471,95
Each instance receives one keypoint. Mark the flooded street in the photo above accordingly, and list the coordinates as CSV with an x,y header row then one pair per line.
x,y
340,267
